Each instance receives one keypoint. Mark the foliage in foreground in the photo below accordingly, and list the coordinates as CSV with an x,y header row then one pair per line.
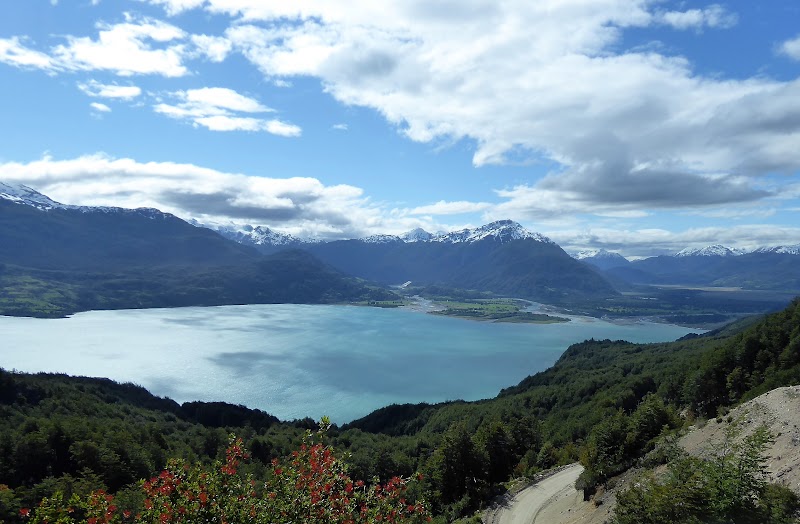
x,y
312,485
728,487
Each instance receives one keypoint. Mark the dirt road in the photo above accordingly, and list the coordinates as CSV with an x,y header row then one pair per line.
x,y
528,504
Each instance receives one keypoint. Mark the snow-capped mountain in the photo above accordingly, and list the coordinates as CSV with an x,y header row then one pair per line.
x,y
781,250
381,239
716,250
21,194
416,235
502,230
24,195
262,238
250,235
601,258
596,253
501,257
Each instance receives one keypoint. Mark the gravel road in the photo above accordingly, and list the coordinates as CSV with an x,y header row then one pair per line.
x,y
525,506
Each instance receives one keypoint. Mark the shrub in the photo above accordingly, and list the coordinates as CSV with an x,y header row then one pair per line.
x,y
312,486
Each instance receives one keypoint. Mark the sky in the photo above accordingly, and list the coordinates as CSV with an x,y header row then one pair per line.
x,y
638,126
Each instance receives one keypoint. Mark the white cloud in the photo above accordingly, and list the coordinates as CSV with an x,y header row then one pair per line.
x,y
277,127
237,123
539,81
94,88
175,7
222,98
14,53
791,48
127,49
100,107
339,127
307,207
139,46
714,16
216,108
449,208
215,48
651,242
737,213
628,130
301,205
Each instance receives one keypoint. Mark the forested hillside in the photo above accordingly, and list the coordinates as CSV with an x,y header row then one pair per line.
x,y
603,401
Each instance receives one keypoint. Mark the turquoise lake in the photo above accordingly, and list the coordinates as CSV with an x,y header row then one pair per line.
x,y
297,361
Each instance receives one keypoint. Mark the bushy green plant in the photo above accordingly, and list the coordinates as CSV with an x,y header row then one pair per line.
x,y
728,487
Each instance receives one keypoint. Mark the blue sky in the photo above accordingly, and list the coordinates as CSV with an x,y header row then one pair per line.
x,y
639,126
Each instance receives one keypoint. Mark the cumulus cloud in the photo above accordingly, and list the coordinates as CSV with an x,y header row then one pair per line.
x,y
297,204
214,48
97,106
216,108
15,53
175,7
126,49
791,48
539,81
94,88
138,46
450,208
627,130
714,16
586,190
652,242
305,206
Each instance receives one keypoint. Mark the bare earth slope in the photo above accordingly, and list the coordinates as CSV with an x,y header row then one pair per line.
x,y
779,410
555,501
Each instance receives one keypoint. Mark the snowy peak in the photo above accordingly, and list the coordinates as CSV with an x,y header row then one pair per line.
x,y
252,235
21,194
597,254
601,258
502,230
780,250
382,239
716,250
416,235
24,195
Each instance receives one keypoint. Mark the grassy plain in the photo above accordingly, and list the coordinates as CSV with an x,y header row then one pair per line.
x,y
494,310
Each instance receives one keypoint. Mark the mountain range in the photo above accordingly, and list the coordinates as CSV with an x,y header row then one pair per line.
x,y
391,259
501,257
268,241
59,258
765,268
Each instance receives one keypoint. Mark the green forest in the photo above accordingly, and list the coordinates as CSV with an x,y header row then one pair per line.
x,y
609,404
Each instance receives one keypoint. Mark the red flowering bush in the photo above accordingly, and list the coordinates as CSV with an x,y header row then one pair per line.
x,y
310,486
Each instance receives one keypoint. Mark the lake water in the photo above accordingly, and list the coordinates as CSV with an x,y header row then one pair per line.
x,y
296,361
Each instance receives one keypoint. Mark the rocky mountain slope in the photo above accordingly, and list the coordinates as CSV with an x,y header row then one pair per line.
x,y
500,257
